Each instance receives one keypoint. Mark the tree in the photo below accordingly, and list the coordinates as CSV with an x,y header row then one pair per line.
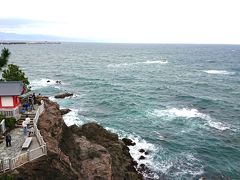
x,y
5,54
14,73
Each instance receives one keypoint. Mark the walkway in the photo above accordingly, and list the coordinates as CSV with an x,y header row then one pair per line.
x,y
18,139
17,142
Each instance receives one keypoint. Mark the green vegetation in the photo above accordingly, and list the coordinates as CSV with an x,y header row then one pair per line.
x,y
1,117
12,72
5,54
10,122
6,177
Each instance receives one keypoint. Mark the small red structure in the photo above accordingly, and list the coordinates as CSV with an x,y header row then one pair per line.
x,y
9,98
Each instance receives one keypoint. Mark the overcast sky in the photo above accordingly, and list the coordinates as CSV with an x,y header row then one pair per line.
x,y
130,21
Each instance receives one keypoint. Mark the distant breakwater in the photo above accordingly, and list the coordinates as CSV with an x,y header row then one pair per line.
x,y
25,42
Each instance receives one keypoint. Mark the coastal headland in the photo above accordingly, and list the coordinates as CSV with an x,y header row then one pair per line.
x,y
85,152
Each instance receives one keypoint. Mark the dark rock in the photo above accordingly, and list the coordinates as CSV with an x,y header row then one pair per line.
x,y
48,81
63,95
146,153
135,163
144,169
86,152
65,111
142,157
141,150
128,142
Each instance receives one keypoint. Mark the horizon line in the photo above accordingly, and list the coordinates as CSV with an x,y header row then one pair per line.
x,y
106,42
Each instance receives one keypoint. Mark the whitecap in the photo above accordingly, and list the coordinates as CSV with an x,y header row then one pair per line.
x,y
137,63
223,72
218,125
184,112
173,113
155,62
42,83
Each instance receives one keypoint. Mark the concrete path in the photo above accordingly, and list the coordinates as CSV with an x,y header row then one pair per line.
x,y
18,139
17,142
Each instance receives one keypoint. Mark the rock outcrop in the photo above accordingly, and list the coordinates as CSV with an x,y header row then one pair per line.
x,y
65,111
128,142
89,152
63,95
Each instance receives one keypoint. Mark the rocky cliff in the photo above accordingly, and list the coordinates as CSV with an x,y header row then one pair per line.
x,y
88,152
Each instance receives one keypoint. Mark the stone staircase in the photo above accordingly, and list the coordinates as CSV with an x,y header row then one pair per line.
x,y
22,118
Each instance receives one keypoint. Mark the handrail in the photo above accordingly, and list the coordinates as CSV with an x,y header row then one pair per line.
x,y
30,155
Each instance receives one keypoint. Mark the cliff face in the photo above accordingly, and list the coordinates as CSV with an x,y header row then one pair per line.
x,y
87,152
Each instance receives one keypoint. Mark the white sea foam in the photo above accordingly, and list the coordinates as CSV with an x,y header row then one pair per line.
x,y
52,98
186,113
186,163
137,63
72,118
223,72
218,125
134,151
155,62
38,84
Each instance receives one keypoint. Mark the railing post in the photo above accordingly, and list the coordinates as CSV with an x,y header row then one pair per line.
x,y
2,164
10,164
28,154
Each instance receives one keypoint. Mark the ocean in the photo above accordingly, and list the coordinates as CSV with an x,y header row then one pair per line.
x,y
181,103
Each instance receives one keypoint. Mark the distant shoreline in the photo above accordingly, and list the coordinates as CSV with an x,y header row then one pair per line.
x,y
27,42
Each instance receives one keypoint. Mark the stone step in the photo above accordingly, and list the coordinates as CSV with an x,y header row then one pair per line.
x,y
31,116
20,124
21,120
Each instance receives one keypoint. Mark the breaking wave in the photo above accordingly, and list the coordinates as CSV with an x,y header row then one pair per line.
x,y
149,160
186,113
72,118
223,72
42,83
137,63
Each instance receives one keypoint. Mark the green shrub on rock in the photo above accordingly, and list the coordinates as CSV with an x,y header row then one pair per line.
x,y
2,117
10,122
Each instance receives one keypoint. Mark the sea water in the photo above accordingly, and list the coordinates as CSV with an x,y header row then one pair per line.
x,y
181,103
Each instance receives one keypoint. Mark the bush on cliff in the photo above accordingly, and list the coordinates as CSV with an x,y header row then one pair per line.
x,y
10,122
14,73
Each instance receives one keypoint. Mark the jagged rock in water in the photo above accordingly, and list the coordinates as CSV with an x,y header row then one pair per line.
x,y
65,111
146,153
128,142
63,95
142,157
141,150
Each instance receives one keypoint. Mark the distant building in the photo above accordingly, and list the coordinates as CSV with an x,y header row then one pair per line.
x,y
9,98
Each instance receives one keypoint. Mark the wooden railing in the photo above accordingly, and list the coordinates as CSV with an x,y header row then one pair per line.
x,y
30,155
